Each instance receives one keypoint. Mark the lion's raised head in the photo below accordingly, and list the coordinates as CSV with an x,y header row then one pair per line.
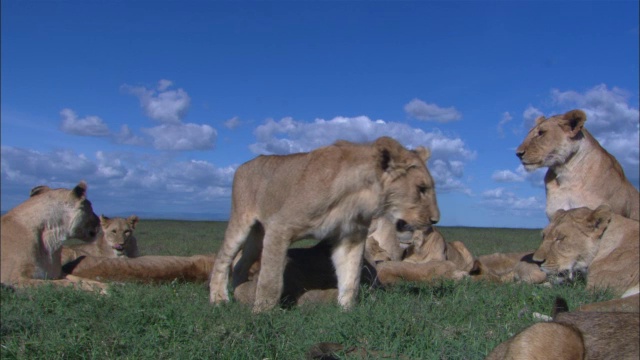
x,y
570,242
552,141
118,232
71,208
409,189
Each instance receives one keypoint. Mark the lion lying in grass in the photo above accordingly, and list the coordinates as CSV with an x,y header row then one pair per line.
x,y
576,335
114,240
581,172
597,242
510,267
144,269
331,194
33,233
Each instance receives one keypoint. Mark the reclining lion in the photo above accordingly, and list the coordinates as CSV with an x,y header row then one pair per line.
x,y
331,194
114,240
581,172
33,233
600,243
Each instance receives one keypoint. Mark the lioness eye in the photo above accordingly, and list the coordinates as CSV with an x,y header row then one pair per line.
x,y
541,132
113,231
422,189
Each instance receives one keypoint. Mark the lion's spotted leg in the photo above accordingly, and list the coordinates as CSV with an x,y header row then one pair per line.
x,y
347,259
235,237
270,279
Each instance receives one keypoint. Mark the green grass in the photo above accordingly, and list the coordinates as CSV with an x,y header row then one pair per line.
x,y
444,320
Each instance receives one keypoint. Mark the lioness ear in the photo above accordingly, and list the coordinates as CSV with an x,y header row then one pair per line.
x,y
80,190
388,150
39,190
557,214
132,220
600,218
539,120
573,121
423,153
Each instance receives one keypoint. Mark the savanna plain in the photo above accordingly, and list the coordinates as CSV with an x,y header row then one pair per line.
x,y
441,320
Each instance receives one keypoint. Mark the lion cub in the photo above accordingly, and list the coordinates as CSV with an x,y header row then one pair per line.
x,y
114,240
33,233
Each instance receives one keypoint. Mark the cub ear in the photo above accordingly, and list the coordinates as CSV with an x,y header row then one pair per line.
x,y
557,214
423,153
132,220
539,120
572,122
39,190
389,151
599,219
104,220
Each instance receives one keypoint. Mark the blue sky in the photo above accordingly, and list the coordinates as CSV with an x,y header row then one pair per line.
x,y
155,104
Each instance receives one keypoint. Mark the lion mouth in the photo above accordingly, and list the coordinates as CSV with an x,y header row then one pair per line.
x,y
402,226
118,247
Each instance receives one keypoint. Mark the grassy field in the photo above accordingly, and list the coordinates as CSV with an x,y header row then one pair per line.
x,y
443,320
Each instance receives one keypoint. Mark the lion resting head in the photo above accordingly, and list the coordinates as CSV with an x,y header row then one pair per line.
x,y
33,233
597,242
331,194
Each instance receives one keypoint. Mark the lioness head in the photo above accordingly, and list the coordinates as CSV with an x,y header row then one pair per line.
x,y
74,209
118,232
570,242
427,245
409,189
552,141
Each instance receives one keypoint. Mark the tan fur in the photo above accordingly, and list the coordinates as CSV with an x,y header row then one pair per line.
x,y
306,270
576,335
429,245
383,231
511,267
145,269
33,233
597,242
581,172
393,272
625,304
331,194
114,239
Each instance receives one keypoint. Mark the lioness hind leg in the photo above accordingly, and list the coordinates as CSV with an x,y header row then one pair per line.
x,y
235,236
250,254
347,259
271,277
68,280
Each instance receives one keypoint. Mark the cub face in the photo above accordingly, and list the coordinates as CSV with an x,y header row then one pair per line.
x,y
118,232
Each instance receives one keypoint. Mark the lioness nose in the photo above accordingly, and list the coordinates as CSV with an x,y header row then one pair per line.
x,y
519,153
434,220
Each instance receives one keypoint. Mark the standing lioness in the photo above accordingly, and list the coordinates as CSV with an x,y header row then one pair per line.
x,y
331,194
33,233
581,172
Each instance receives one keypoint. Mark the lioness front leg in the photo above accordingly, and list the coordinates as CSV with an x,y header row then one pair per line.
x,y
347,259
270,279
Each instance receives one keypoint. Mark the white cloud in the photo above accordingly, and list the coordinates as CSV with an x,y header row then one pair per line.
x,y
182,137
530,115
536,178
87,126
166,106
503,199
127,137
506,117
289,136
421,110
232,123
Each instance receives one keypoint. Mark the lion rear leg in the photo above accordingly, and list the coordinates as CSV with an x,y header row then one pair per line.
x,y
235,236
250,254
347,259
271,277
68,280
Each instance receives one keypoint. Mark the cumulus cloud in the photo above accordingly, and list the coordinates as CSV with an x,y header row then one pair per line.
x,y
118,181
500,198
506,117
421,110
162,104
182,137
449,154
232,123
87,126
529,115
